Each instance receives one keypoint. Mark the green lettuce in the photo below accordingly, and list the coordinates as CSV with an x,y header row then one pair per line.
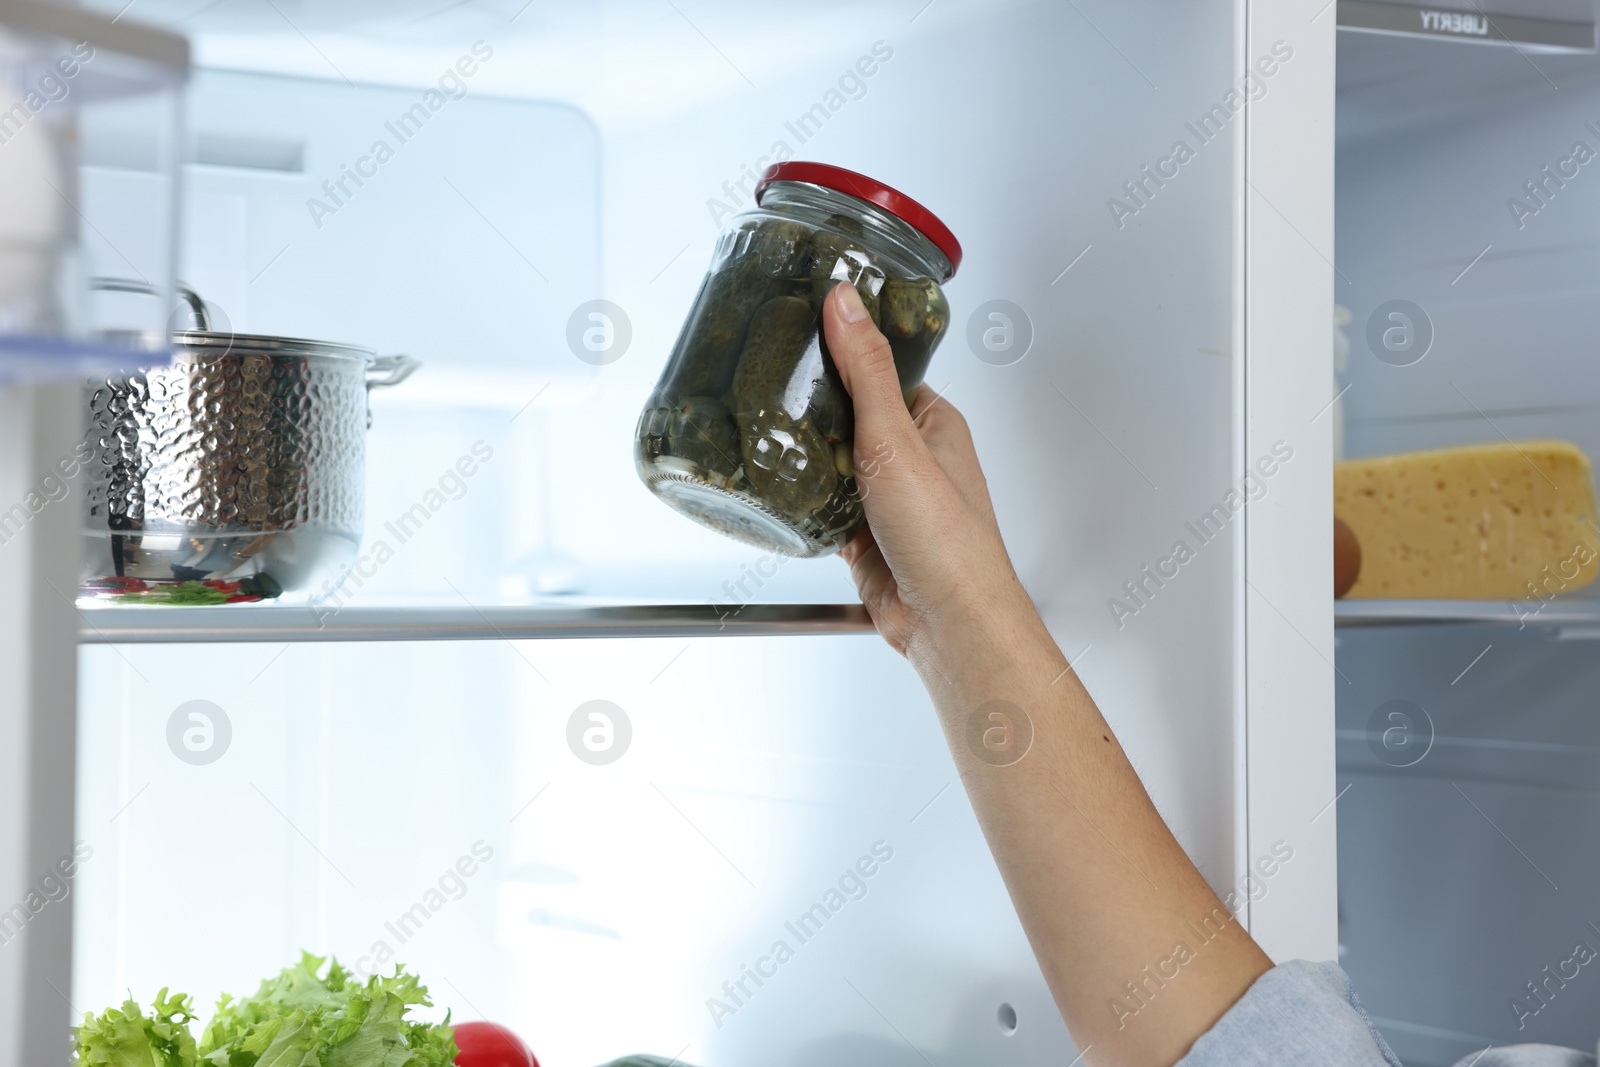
x,y
126,1037
301,1018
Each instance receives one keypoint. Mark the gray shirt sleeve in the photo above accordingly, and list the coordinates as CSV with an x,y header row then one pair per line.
x,y
1302,1014
1528,1056
1298,1013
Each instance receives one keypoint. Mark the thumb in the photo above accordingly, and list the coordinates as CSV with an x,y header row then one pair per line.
x,y
866,366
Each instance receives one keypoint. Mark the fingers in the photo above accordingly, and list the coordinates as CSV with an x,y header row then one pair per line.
x,y
949,439
876,585
856,546
866,366
929,517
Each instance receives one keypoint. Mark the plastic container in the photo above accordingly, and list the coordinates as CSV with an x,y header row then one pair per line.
x,y
749,431
90,146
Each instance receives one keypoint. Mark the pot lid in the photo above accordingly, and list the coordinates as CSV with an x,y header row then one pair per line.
x,y
204,340
217,343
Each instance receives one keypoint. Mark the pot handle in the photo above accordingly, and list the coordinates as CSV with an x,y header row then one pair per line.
x,y
197,307
385,371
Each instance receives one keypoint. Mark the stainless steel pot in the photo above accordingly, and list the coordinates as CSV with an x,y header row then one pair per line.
x,y
234,474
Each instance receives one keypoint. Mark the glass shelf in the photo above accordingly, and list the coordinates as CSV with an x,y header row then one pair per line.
x,y
1580,612
32,359
303,623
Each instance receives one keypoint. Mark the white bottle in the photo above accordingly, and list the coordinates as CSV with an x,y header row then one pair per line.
x,y
32,213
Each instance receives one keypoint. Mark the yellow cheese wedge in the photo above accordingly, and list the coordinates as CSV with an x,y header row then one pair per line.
x,y
1489,522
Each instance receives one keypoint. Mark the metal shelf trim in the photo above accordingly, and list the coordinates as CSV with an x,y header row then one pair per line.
x,y
302,624
244,624
1522,613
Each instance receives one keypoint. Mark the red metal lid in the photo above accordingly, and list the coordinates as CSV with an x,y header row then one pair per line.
x,y
873,192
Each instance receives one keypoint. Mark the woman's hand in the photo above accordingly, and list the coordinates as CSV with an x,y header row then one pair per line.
x,y
1103,890
931,553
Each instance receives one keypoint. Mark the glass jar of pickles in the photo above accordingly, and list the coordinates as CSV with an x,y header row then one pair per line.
x,y
749,430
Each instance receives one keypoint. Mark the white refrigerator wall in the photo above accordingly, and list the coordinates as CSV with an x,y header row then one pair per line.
x,y
619,899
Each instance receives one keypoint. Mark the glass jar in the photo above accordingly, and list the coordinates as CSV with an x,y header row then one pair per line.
x,y
749,431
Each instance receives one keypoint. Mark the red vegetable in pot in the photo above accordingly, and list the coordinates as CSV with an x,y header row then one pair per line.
x,y
490,1045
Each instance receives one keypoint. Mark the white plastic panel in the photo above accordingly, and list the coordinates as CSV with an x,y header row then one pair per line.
x,y
618,898
390,218
38,857
1114,430
1287,584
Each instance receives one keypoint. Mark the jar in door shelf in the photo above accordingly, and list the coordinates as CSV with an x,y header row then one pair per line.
x,y
749,431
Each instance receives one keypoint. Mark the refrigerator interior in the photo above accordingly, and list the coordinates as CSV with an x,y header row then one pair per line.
x,y
1462,873
593,154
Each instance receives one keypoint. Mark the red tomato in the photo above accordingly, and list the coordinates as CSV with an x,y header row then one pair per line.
x,y
491,1045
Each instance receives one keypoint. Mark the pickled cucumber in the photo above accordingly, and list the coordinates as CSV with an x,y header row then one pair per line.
x,y
700,429
842,515
789,463
915,315
708,350
836,256
937,316
784,248
779,338
846,224
905,305
831,406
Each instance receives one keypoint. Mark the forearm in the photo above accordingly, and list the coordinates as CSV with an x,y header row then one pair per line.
x,y
1114,909
1103,889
